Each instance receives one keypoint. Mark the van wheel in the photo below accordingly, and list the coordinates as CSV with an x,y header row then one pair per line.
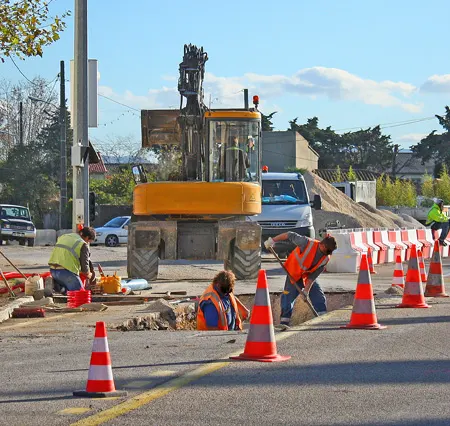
x,y
30,242
22,241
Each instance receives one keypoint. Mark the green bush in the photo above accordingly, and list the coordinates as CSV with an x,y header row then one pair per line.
x,y
397,193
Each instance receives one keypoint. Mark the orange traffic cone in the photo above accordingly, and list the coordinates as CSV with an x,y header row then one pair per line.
x,y
399,276
435,283
261,344
423,272
370,259
413,293
363,314
100,382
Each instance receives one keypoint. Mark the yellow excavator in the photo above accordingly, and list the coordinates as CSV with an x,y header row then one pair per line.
x,y
202,212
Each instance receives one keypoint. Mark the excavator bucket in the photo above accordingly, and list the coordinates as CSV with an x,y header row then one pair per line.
x,y
160,127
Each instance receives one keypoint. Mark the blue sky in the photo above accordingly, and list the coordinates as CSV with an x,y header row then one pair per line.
x,y
352,63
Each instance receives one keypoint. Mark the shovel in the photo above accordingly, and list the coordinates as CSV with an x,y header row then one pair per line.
x,y
303,294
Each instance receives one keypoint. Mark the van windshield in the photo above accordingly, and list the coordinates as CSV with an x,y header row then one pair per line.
x,y
15,212
284,192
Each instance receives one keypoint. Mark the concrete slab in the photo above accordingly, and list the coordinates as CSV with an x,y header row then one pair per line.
x,y
5,311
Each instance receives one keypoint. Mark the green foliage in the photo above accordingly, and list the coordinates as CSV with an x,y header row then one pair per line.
x,y
351,175
427,186
116,189
436,146
397,193
364,149
26,27
291,169
338,176
266,122
442,189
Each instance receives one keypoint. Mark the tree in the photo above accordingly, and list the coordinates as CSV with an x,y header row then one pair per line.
x,y
30,174
442,189
436,146
27,27
338,176
116,189
364,149
266,122
351,175
427,186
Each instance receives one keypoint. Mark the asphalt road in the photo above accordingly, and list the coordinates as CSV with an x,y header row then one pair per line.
x,y
396,376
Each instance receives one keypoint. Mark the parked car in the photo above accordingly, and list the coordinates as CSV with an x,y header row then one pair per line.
x,y
114,232
16,225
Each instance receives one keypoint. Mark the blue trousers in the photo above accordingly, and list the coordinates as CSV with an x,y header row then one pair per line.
x,y
66,279
291,293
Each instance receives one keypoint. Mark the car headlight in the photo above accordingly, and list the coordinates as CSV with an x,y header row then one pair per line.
x,y
306,221
30,228
98,234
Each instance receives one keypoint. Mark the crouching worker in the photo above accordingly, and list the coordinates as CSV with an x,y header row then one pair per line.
x,y
304,264
69,258
219,308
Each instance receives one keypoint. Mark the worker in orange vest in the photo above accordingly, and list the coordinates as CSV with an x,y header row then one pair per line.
x,y
219,308
304,264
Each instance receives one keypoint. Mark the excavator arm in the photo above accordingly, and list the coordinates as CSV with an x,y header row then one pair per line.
x,y
191,119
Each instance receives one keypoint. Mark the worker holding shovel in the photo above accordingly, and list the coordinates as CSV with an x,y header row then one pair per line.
x,y
303,266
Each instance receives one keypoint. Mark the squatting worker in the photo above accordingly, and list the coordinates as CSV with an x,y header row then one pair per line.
x,y
70,257
305,264
219,308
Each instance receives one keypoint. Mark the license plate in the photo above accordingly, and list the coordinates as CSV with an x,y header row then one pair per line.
x,y
18,234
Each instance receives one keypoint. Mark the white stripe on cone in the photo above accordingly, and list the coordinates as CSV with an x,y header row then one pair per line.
x,y
100,372
100,345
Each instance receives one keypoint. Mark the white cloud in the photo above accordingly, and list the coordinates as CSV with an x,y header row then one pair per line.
x,y
437,83
412,137
333,83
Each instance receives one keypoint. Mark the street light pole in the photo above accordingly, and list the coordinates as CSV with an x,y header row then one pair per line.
x,y
63,159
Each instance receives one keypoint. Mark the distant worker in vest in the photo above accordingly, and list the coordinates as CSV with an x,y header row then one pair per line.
x,y
438,220
306,262
219,308
235,160
69,258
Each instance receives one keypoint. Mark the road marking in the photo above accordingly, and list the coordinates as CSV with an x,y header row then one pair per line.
x,y
36,321
162,373
74,410
177,383
138,384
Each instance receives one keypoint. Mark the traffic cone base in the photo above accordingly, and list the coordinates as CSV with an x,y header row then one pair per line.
x,y
261,344
100,382
413,296
363,315
435,282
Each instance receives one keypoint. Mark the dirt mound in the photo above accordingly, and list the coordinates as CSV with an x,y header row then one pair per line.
x,y
351,214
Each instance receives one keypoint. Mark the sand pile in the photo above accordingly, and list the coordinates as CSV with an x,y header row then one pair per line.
x,y
337,206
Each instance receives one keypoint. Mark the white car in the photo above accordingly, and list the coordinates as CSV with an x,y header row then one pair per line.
x,y
114,232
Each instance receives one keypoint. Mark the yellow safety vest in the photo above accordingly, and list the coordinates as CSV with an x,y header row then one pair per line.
x,y
67,252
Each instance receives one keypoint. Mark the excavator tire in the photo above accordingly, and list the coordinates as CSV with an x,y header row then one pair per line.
x,y
143,264
245,264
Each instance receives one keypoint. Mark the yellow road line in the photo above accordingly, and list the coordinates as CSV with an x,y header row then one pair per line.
x,y
177,383
74,410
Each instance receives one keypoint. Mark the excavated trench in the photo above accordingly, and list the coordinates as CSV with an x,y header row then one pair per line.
x,y
165,315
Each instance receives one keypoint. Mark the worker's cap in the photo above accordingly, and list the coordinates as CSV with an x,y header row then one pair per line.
x,y
438,200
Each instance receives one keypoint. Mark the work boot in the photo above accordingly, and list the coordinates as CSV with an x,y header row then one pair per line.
x,y
282,327
442,243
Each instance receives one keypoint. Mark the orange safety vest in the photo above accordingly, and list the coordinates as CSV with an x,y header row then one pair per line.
x,y
211,294
299,264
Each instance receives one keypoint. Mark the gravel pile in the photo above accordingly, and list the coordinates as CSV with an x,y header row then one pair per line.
x,y
337,206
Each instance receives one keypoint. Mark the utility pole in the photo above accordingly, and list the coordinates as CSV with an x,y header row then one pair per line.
x,y
394,158
21,124
63,159
80,140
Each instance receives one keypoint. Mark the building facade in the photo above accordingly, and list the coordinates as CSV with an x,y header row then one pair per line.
x,y
287,149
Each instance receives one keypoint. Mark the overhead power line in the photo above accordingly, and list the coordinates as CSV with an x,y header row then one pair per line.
x,y
120,103
388,125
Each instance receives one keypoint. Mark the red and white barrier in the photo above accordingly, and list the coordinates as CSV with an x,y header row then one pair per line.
x,y
405,240
383,248
367,239
400,248
427,246
391,249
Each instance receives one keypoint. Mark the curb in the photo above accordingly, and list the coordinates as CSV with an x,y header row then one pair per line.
x,y
5,311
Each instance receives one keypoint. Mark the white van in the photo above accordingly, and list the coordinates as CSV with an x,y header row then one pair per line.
x,y
286,207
